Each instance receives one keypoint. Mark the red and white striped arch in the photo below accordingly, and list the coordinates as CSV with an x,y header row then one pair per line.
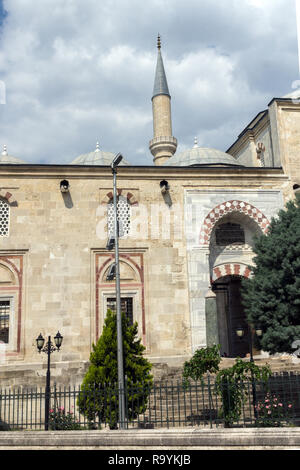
x,y
230,269
8,196
131,198
225,208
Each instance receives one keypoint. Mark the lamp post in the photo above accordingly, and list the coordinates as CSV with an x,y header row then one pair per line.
x,y
48,349
240,333
121,387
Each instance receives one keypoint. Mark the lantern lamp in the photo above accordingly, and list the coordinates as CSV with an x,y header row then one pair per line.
x,y
58,340
40,342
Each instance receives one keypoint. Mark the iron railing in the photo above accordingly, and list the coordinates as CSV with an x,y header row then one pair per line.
x,y
204,403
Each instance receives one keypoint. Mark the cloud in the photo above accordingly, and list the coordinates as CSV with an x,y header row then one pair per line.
x,y
77,72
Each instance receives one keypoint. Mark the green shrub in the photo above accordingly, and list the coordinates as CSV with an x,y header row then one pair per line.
x,y
271,297
99,397
203,361
272,411
232,386
60,420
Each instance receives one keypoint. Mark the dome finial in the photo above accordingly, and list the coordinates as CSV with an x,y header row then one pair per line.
x,y
158,42
97,147
4,150
195,142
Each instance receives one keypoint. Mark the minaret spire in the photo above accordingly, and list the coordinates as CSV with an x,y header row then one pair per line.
x,y
160,81
163,145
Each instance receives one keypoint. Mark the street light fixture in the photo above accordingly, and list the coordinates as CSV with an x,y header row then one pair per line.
x,y
240,332
111,274
121,385
116,161
258,332
48,349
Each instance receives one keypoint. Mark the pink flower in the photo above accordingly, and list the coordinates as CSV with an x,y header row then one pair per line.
x,y
290,406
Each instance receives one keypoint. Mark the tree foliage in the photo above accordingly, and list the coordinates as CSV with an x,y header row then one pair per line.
x,y
232,385
203,361
99,390
272,296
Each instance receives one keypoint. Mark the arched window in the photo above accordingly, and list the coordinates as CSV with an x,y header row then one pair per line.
x,y
4,218
230,234
123,214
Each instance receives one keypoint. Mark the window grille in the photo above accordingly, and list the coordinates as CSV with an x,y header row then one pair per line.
x,y
123,215
230,234
4,320
126,307
4,218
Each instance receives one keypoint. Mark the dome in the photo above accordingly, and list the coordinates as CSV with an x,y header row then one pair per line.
x,y
201,156
6,159
97,157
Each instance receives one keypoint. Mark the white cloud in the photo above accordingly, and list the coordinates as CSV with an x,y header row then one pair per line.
x,y
257,3
77,72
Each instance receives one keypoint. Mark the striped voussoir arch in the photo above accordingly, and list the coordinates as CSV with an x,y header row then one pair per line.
x,y
8,196
231,206
129,196
230,269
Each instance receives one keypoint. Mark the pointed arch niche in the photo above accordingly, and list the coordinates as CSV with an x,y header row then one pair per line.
x,y
205,250
227,237
12,296
230,237
132,288
231,207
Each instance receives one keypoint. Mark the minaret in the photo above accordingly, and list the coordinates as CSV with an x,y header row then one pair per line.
x,y
163,145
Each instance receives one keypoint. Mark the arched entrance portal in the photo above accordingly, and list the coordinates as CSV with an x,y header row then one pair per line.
x,y
230,316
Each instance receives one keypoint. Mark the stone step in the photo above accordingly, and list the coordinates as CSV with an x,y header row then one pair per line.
x,y
277,364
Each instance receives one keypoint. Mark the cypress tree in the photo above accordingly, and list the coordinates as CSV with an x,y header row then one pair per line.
x,y
99,390
272,296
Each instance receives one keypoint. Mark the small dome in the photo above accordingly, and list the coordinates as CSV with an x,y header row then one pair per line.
x,y
97,157
6,159
202,156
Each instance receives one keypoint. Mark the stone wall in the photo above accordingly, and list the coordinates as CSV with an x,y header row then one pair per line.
x,y
56,253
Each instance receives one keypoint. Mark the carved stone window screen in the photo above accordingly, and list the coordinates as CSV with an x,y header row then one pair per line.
x,y
123,214
4,218
230,234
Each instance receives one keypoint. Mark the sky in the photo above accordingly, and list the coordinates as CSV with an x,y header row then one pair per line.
x,y
76,72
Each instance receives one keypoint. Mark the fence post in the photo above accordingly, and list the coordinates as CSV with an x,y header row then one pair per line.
x,y
209,400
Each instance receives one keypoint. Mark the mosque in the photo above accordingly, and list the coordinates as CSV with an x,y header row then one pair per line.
x,y
187,226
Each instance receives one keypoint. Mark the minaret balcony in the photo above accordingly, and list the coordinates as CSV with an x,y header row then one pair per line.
x,y
162,148
162,142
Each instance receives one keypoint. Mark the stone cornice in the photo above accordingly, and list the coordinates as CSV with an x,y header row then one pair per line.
x,y
141,172
248,134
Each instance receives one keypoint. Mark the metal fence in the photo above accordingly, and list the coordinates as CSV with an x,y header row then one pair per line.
x,y
205,403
